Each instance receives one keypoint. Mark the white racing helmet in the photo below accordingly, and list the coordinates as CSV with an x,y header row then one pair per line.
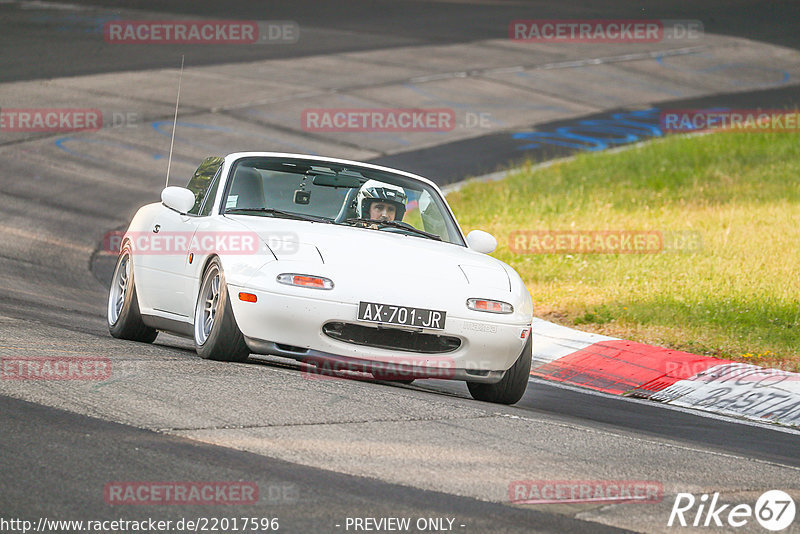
x,y
374,191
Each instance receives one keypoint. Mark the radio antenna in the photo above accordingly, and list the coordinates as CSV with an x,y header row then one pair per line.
x,y
175,121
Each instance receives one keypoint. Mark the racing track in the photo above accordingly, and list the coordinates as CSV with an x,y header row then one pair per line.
x,y
344,448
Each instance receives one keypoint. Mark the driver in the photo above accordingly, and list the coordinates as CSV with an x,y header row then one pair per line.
x,y
379,201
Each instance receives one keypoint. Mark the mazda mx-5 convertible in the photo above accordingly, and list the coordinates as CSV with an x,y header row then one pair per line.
x,y
346,266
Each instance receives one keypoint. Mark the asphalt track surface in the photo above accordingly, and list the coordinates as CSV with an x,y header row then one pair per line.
x,y
359,25
305,500
55,462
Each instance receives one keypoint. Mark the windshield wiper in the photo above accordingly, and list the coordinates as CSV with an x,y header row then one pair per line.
x,y
394,224
281,214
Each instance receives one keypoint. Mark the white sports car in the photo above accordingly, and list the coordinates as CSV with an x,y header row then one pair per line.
x,y
347,266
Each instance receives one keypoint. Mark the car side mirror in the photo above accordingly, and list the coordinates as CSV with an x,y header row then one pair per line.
x,y
179,199
481,241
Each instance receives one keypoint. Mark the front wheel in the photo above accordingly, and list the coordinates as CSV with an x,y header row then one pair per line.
x,y
511,388
123,316
216,334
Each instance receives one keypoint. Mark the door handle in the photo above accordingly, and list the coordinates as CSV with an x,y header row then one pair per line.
x,y
156,228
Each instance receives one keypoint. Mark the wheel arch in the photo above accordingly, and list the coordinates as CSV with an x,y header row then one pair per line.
x,y
126,241
199,282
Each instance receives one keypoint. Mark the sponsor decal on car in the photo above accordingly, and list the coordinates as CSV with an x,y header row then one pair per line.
x,y
479,327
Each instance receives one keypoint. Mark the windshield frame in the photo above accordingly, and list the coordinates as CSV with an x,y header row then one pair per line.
x,y
373,171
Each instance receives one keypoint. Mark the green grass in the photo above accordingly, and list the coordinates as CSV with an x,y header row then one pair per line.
x,y
738,297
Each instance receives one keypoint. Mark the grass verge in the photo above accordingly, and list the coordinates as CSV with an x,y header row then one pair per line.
x,y
726,284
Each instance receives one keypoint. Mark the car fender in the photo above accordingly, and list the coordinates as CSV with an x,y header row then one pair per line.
x,y
141,223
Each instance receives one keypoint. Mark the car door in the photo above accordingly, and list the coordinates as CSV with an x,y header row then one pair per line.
x,y
170,287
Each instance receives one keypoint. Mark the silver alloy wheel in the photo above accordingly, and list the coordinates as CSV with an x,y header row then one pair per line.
x,y
119,288
207,302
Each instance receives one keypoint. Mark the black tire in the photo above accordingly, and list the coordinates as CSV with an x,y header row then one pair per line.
x,y
224,341
122,315
512,387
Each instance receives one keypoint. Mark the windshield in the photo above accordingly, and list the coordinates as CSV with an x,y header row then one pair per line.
x,y
348,195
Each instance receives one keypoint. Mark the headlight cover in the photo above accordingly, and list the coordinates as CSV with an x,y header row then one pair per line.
x,y
305,280
489,306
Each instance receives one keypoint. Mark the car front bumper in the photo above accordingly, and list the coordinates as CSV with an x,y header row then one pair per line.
x,y
292,326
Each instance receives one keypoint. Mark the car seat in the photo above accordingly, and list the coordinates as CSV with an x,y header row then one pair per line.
x,y
247,189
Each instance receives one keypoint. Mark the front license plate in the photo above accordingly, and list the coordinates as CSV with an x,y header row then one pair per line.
x,y
401,315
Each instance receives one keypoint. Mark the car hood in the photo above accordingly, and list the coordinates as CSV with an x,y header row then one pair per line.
x,y
352,251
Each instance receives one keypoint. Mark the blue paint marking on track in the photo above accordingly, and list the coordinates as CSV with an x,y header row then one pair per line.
x,y
76,23
62,141
158,124
597,134
784,74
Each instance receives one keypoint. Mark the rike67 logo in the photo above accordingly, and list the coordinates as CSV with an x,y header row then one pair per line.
x,y
774,510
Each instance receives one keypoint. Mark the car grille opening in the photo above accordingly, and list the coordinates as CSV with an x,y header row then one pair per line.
x,y
391,338
291,348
